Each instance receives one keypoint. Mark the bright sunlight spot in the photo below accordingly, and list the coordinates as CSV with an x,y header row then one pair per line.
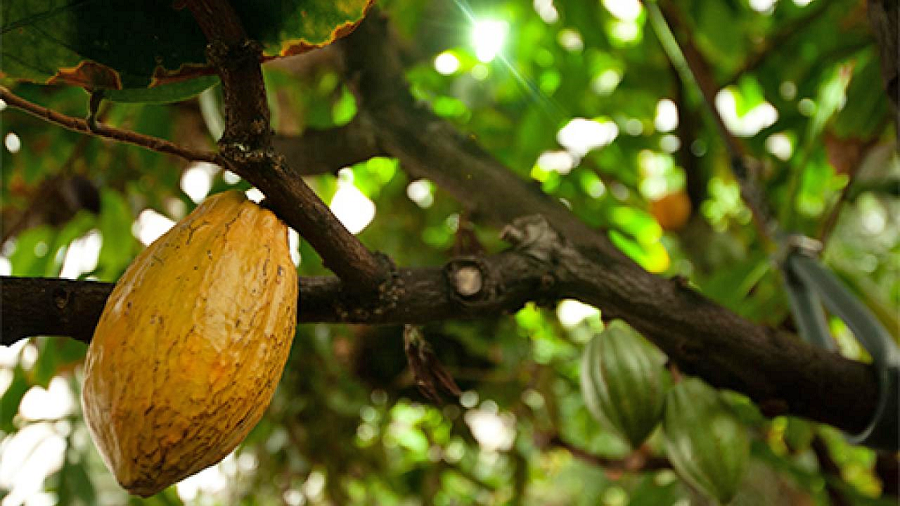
x,y
150,225
626,10
572,312
581,135
749,124
5,266
12,142
81,255
350,206
488,37
446,63
666,116
802,3
197,180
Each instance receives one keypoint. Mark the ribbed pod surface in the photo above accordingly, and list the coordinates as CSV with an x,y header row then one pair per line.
x,y
191,344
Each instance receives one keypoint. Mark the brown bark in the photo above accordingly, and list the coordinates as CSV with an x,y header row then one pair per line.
x,y
780,372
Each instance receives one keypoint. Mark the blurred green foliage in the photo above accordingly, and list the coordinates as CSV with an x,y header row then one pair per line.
x,y
347,425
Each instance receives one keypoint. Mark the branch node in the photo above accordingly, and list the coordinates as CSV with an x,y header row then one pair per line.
x,y
471,279
533,236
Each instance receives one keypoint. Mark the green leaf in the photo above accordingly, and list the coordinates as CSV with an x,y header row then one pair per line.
x,y
9,403
115,227
149,51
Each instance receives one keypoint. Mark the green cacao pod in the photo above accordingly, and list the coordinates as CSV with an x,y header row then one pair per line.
x,y
624,382
191,344
706,443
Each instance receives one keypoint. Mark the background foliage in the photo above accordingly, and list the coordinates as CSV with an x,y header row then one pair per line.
x,y
347,425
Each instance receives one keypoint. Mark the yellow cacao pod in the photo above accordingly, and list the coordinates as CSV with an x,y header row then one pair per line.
x,y
191,344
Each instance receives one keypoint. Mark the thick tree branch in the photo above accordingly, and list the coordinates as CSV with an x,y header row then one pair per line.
x,y
247,147
782,373
778,371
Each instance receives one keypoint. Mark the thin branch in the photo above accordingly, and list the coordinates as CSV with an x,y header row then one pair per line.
x,y
247,145
827,226
101,130
704,338
828,467
635,462
695,70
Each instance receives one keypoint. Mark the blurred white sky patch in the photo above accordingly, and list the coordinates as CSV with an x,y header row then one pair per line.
x,y
666,116
446,63
546,11
52,403
254,195
556,161
210,481
350,206
28,457
488,38
803,3
581,135
625,10
150,225
606,82
763,6
196,180
230,177
571,40
421,192
493,431
12,142
9,355
81,255
5,266
572,312
780,145
762,116
294,246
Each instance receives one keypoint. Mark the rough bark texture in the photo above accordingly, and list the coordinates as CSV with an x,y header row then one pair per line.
x,y
884,16
246,147
783,374
565,259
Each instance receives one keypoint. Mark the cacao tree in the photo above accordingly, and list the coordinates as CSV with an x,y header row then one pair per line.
x,y
474,191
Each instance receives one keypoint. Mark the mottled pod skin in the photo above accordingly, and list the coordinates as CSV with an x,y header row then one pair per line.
x,y
191,344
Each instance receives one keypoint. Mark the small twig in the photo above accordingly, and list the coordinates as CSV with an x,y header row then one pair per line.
x,y
694,70
637,461
831,221
126,136
828,467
